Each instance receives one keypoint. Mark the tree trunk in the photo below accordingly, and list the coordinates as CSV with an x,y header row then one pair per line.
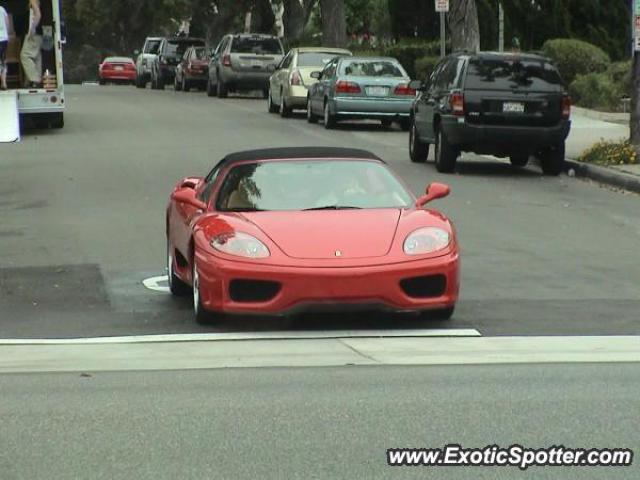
x,y
263,19
635,103
463,25
334,23
295,17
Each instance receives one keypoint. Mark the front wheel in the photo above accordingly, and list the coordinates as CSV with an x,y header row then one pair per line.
x,y
176,286
418,151
329,118
552,160
311,117
519,159
203,317
446,155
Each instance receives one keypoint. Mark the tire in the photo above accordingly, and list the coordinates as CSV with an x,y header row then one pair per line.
x,y
271,107
102,82
519,159
445,154
265,93
386,123
203,317
285,111
311,117
57,120
140,83
440,314
177,86
160,83
186,86
418,151
552,160
211,92
154,83
223,91
405,124
329,118
176,286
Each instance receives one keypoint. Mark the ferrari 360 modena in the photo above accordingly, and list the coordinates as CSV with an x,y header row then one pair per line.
x,y
287,230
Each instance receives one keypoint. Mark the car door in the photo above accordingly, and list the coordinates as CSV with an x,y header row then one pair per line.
x,y
438,92
323,87
421,105
215,59
278,79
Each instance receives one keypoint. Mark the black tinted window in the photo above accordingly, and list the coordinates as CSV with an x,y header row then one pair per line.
x,y
256,45
152,46
507,73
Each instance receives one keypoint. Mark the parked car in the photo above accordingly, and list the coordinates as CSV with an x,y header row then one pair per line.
x,y
170,53
363,88
501,104
243,62
117,70
145,59
288,86
193,70
279,231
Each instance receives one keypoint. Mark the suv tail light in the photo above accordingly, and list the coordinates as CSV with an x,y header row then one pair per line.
x,y
566,107
404,89
342,86
226,60
295,79
457,104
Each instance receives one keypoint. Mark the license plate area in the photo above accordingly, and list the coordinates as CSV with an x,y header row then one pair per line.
x,y
119,68
513,107
377,91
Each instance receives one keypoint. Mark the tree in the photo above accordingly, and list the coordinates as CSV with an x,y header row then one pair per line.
x,y
463,25
296,16
263,19
334,24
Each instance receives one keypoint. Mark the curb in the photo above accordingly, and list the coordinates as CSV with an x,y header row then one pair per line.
x,y
603,116
611,177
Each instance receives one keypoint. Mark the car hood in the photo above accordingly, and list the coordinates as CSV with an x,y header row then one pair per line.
x,y
324,234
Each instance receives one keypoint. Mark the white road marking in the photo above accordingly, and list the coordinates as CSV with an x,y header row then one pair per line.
x,y
240,336
153,283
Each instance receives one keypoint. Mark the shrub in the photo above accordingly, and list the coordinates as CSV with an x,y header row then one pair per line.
x,y
575,57
620,75
407,53
610,153
81,64
594,90
424,66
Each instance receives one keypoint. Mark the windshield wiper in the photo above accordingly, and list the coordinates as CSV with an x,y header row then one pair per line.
x,y
332,207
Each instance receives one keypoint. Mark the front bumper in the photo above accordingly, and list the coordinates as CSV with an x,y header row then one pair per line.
x,y
360,107
491,139
307,288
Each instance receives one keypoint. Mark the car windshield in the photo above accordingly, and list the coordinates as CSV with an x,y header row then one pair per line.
x,y
311,184
259,46
152,46
315,59
509,73
176,48
372,68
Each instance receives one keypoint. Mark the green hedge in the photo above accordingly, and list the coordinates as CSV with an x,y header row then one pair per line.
x,y
575,57
424,66
408,53
603,91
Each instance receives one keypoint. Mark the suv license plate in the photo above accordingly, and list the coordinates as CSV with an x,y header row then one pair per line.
x,y
513,107
378,91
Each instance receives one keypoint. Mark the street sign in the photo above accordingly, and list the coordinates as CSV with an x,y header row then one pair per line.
x,y
443,5
637,7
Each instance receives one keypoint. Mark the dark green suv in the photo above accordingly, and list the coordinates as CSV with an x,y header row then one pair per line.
x,y
503,104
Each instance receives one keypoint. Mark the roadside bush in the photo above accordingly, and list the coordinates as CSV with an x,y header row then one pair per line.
x,y
620,75
81,64
424,66
610,153
575,57
407,53
594,90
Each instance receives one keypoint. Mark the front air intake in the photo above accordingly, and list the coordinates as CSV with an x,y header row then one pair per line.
x,y
252,291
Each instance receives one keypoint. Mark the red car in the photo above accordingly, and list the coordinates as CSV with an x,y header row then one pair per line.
x,y
117,69
279,231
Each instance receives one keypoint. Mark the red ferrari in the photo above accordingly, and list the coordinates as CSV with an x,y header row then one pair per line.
x,y
279,231
117,69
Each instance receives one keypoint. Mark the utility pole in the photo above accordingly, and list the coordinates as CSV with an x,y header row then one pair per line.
x,y
500,27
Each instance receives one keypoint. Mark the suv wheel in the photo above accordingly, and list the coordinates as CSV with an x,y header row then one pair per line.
x,y
223,91
519,159
446,155
552,160
418,151
329,118
311,117
272,107
211,91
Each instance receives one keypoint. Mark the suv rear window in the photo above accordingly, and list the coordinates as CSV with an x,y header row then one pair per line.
x,y
508,73
257,46
372,68
176,48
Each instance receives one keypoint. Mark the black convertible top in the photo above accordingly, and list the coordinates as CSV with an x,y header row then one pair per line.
x,y
298,153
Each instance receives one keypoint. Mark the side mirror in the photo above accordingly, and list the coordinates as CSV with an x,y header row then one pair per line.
x,y
416,85
190,182
188,196
433,192
316,75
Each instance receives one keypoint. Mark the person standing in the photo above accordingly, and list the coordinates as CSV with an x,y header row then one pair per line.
x,y
31,54
4,43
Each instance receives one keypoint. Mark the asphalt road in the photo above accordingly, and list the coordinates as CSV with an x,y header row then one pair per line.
x,y
311,422
83,224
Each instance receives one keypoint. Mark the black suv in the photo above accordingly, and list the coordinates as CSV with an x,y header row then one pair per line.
x,y
503,104
170,53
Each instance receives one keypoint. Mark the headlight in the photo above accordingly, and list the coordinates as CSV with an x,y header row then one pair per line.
x,y
426,240
241,245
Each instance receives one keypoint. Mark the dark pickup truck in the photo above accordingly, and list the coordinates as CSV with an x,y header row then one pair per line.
x,y
503,104
170,52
